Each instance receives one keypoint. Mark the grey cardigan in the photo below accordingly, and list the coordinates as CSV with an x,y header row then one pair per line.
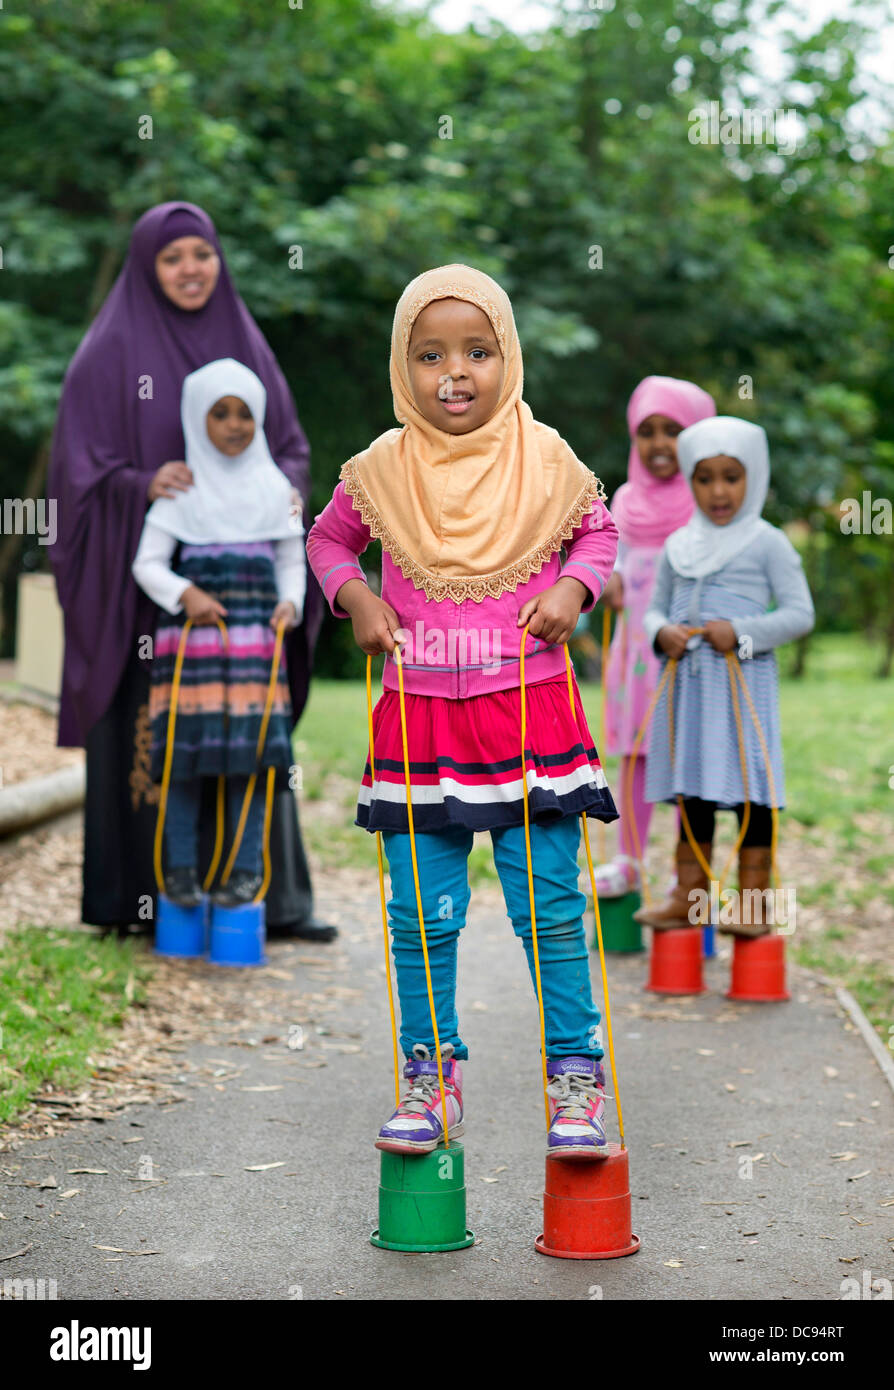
x,y
770,568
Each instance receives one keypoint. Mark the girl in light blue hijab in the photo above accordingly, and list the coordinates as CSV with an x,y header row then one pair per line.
x,y
720,573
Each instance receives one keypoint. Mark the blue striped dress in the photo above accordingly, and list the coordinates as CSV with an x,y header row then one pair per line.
x,y
707,762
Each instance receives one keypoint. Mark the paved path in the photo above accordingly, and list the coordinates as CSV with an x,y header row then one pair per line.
x,y
706,1086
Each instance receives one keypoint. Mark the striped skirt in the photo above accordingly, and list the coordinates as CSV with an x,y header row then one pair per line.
x,y
465,762
223,689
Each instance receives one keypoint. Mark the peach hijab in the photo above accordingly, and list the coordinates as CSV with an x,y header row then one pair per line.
x,y
468,516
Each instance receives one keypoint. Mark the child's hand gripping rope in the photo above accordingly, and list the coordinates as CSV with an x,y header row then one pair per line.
x,y
374,621
552,615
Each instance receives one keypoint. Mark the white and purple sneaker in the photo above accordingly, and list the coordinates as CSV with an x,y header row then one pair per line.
x,y
417,1125
577,1104
617,877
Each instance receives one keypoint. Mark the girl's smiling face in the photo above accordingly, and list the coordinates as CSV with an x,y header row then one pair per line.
x,y
656,443
230,425
455,339
719,485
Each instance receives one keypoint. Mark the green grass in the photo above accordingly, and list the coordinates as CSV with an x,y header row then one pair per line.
x,y
838,743
870,984
61,994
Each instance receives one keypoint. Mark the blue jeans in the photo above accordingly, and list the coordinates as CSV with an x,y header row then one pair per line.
x,y
572,1020
182,824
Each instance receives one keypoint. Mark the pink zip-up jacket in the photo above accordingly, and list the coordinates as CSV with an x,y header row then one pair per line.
x,y
453,650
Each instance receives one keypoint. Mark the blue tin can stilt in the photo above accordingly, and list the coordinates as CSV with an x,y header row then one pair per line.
x,y
180,931
238,934
709,945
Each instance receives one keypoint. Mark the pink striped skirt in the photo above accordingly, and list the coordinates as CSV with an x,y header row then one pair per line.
x,y
465,762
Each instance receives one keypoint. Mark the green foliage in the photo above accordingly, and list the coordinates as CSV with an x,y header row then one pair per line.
x,y
761,273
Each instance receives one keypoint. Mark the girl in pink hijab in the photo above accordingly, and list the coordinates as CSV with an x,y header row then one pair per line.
x,y
654,501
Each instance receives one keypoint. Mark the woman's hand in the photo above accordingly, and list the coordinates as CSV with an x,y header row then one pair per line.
x,y
201,607
553,614
284,612
613,593
374,621
170,479
672,639
720,634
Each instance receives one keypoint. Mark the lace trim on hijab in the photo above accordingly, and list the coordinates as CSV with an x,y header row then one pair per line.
x,y
452,291
475,587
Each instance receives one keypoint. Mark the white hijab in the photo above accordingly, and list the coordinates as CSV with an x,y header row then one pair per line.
x,y
240,498
701,547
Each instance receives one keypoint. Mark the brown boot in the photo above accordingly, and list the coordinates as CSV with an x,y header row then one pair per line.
x,y
674,911
755,863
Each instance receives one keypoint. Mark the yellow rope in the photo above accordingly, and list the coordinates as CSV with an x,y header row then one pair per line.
x,y
669,678
431,997
271,775
249,790
372,774
774,809
265,839
536,952
596,914
743,763
169,759
218,836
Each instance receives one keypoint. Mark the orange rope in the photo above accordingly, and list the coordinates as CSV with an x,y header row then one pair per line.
x,y
532,909
598,919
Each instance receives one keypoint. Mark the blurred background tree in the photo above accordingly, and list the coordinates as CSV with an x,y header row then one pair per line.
x,y
559,161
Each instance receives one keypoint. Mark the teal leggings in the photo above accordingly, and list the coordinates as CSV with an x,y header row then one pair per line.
x,y
572,1020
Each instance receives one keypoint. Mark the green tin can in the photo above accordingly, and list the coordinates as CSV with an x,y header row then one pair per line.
x,y
620,933
422,1202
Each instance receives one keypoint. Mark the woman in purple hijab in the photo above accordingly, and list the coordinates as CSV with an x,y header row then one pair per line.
x,y
118,446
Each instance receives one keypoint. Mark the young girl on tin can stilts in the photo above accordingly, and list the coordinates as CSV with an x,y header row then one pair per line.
x,y
473,501
654,501
230,548
720,572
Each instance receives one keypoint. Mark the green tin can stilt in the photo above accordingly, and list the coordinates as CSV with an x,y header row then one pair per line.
x,y
620,933
422,1202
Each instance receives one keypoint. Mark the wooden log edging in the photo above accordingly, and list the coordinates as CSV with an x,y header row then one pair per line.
x,y
40,798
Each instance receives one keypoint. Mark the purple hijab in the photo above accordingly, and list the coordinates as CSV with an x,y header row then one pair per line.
x,y
119,421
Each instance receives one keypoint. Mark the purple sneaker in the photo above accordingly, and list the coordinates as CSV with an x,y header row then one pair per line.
x,y
577,1103
417,1125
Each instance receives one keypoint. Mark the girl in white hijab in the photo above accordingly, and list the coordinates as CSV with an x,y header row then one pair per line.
x,y
235,538
720,572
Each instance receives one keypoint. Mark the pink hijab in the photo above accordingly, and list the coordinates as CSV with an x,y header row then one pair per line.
x,y
646,509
